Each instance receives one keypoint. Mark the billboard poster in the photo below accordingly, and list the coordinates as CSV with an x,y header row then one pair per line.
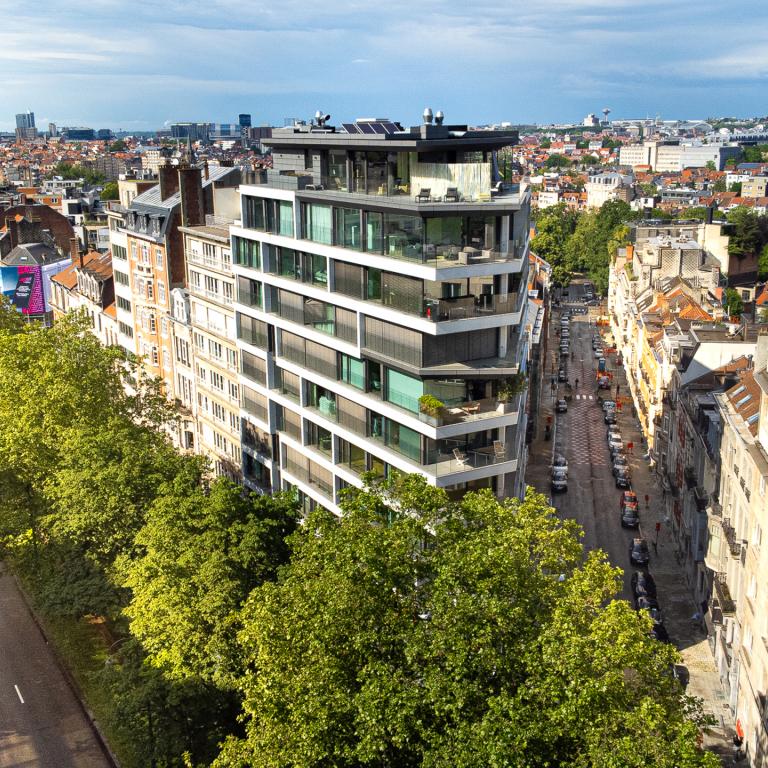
x,y
28,286
23,286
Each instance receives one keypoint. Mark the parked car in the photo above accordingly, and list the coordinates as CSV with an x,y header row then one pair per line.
x,y
598,353
643,584
628,497
608,404
560,463
604,382
659,632
610,416
615,441
562,375
562,406
559,480
623,479
650,604
613,429
629,516
638,552
620,462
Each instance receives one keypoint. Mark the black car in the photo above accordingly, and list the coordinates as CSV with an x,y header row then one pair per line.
x,y
562,375
659,632
623,479
638,552
610,416
643,584
629,516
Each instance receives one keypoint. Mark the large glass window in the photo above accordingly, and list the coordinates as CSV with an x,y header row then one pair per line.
x,y
315,269
320,438
253,213
337,169
403,236
351,456
249,292
374,229
288,264
403,439
353,371
246,252
376,173
374,377
285,218
318,223
348,228
373,284
322,399
403,390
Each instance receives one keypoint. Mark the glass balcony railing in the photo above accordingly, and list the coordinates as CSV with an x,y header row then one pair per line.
x,y
423,190
413,248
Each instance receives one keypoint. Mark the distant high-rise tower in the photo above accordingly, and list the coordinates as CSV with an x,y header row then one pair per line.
x,y
25,126
53,131
244,120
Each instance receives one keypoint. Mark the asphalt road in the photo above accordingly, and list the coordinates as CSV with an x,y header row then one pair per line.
x,y
592,498
41,722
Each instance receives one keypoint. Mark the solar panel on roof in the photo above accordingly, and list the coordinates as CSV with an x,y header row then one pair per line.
x,y
350,127
365,128
378,128
389,127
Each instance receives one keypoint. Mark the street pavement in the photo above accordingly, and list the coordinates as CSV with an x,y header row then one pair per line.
x,y
41,722
592,499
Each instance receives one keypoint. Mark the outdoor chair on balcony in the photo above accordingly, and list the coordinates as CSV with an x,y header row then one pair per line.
x,y
424,196
461,458
499,452
452,195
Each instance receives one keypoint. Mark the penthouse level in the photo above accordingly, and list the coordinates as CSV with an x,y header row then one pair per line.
x,y
452,165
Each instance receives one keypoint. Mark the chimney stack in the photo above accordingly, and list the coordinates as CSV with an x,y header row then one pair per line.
x,y
192,202
75,252
169,180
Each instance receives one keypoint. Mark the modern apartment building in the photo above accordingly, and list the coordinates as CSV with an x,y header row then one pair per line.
x,y
376,266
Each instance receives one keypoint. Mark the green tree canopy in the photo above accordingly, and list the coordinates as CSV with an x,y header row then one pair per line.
x,y
110,191
554,225
557,161
756,154
417,631
203,552
76,171
587,248
733,302
747,235
118,146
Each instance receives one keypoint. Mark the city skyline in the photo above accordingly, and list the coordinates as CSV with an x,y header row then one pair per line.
x,y
97,65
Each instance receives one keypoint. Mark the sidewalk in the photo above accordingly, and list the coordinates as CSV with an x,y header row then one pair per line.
x,y
677,603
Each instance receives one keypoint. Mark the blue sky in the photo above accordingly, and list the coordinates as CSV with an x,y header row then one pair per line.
x,y
137,65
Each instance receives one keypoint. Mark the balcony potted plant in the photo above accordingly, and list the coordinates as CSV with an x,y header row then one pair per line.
x,y
431,406
508,389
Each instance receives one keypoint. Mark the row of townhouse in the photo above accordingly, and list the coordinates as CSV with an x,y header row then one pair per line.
x,y
300,314
700,392
713,466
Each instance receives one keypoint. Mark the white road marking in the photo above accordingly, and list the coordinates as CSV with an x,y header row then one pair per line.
x,y
18,693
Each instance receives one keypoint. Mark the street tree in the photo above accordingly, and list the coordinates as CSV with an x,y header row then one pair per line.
x,y
202,551
419,631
